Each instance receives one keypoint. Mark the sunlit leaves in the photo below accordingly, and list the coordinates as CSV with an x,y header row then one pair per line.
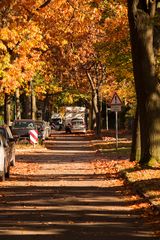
x,y
55,38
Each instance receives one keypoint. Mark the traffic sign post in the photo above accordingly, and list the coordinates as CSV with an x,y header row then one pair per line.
x,y
107,110
116,130
115,108
116,104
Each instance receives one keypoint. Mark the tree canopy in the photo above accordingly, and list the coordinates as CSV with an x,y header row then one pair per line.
x,y
48,41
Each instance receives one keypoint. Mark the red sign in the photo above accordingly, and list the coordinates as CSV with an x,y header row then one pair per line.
x,y
116,100
33,135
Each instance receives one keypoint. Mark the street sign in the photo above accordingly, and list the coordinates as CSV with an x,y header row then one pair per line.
x,y
116,103
116,100
116,107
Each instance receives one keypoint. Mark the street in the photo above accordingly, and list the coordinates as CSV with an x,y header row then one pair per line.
x,y
56,193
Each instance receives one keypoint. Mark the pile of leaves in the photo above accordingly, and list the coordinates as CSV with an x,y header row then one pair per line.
x,y
146,181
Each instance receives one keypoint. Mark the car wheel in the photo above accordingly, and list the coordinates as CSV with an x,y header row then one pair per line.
x,y
7,174
2,177
2,164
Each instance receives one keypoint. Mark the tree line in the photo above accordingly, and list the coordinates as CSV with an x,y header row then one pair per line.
x,y
63,52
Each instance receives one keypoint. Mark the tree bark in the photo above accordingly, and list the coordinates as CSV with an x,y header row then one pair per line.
x,y
7,108
91,116
26,106
45,113
17,105
33,105
96,105
146,81
136,143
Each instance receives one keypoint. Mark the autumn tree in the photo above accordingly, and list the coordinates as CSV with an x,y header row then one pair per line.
x,y
51,39
113,47
75,32
21,44
145,38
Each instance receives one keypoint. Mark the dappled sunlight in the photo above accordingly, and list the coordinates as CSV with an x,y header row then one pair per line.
x,y
31,232
61,151
56,194
61,211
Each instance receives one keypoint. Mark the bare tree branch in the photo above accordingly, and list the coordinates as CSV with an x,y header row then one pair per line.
x,y
90,80
74,9
153,8
44,4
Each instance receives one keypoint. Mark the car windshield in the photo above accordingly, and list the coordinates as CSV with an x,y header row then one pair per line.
x,y
77,122
23,124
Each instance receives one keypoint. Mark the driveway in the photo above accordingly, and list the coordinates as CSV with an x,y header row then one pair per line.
x,y
56,193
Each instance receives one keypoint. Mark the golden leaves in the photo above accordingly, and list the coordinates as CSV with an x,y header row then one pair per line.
x,y
58,37
2,46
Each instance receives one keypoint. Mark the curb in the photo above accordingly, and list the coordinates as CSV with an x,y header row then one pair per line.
x,y
140,192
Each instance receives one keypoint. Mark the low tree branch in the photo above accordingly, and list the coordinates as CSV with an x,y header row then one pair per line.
x,y
90,80
44,5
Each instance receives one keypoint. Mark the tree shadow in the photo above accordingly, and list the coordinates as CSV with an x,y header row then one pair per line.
x,y
59,204
69,213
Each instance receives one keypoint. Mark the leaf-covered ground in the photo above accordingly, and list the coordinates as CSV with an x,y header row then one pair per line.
x,y
145,181
67,185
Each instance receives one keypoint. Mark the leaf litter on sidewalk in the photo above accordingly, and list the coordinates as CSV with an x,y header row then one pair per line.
x,y
145,181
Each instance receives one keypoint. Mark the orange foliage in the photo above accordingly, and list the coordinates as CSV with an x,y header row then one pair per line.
x,y
54,37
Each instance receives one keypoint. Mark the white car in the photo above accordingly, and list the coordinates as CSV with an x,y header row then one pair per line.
x,y
4,160
78,125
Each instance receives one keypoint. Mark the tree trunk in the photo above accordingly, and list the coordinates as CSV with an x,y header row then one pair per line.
x,y
96,103
146,81
33,105
98,115
17,105
7,107
91,116
96,107
136,145
26,106
45,114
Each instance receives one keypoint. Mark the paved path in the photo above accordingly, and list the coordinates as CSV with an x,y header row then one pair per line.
x,y
58,196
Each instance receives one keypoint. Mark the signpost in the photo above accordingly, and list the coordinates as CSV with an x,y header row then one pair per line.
x,y
107,110
116,104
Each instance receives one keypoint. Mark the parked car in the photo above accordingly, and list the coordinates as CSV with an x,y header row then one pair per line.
x,y
56,124
78,125
9,143
4,161
21,128
44,129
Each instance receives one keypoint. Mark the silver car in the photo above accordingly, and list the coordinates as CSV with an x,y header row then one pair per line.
x,y
78,125
4,159
9,143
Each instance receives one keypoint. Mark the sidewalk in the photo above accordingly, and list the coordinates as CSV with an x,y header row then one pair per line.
x,y
67,192
146,182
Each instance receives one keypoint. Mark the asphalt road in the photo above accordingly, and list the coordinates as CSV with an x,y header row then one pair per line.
x,y
58,195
